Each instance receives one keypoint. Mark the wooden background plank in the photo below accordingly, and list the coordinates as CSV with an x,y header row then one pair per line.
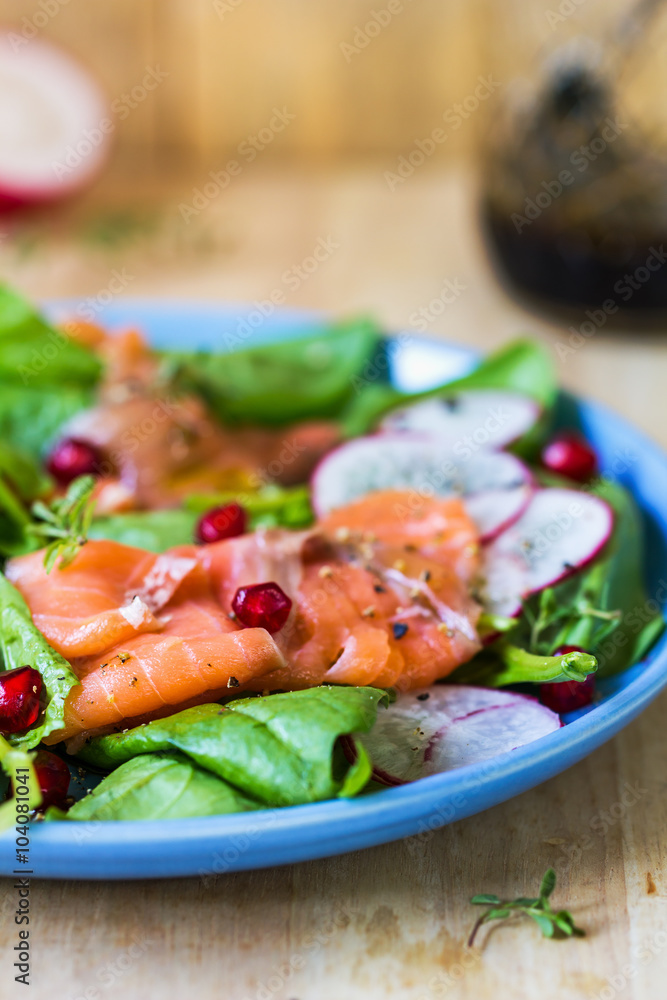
x,y
231,61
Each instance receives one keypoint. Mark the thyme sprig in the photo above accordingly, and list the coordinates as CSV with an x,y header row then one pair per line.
x,y
552,923
65,522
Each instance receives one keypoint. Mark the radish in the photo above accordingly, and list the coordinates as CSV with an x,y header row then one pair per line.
x,y
559,532
471,419
54,124
496,485
449,725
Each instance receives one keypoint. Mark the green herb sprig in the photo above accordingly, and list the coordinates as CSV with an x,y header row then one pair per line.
x,y
65,522
552,923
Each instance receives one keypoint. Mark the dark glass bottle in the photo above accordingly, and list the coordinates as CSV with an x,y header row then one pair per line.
x,y
575,197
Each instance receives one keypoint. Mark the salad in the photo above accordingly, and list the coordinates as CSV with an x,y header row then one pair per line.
x,y
233,581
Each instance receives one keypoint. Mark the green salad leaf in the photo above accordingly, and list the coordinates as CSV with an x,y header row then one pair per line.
x,y
158,530
522,366
278,749
283,381
503,664
160,786
16,764
153,530
21,482
45,376
271,507
22,643
35,353
31,417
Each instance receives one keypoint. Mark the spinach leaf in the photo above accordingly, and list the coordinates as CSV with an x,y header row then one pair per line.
x,y
310,377
34,353
158,530
45,376
24,474
14,519
523,366
31,417
154,530
270,507
160,786
22,643
279,749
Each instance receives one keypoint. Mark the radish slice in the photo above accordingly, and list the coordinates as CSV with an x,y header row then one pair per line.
x,y
496,486
471,419
450,725
559,532
54,124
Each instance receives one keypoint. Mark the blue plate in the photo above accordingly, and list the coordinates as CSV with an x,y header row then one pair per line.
x,y
213,845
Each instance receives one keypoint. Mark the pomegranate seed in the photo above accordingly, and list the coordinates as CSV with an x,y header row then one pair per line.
x,y
227,521
262,605
570,455
53,777
72,458
567,696
19,699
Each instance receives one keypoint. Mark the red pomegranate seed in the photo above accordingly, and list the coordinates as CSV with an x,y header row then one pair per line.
x,y
53,777
262,605
567,696
71,458
19,699
227,521
570,455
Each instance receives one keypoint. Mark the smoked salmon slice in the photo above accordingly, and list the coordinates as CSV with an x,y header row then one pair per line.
x,y
381,592
377,598
142,632
157,448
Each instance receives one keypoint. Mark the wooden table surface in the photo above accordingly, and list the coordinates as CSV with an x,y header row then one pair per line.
x,y
392,921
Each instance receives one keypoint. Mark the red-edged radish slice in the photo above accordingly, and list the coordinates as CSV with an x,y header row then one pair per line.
x,y
54,122
450,725
559,532
471,419
496,486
